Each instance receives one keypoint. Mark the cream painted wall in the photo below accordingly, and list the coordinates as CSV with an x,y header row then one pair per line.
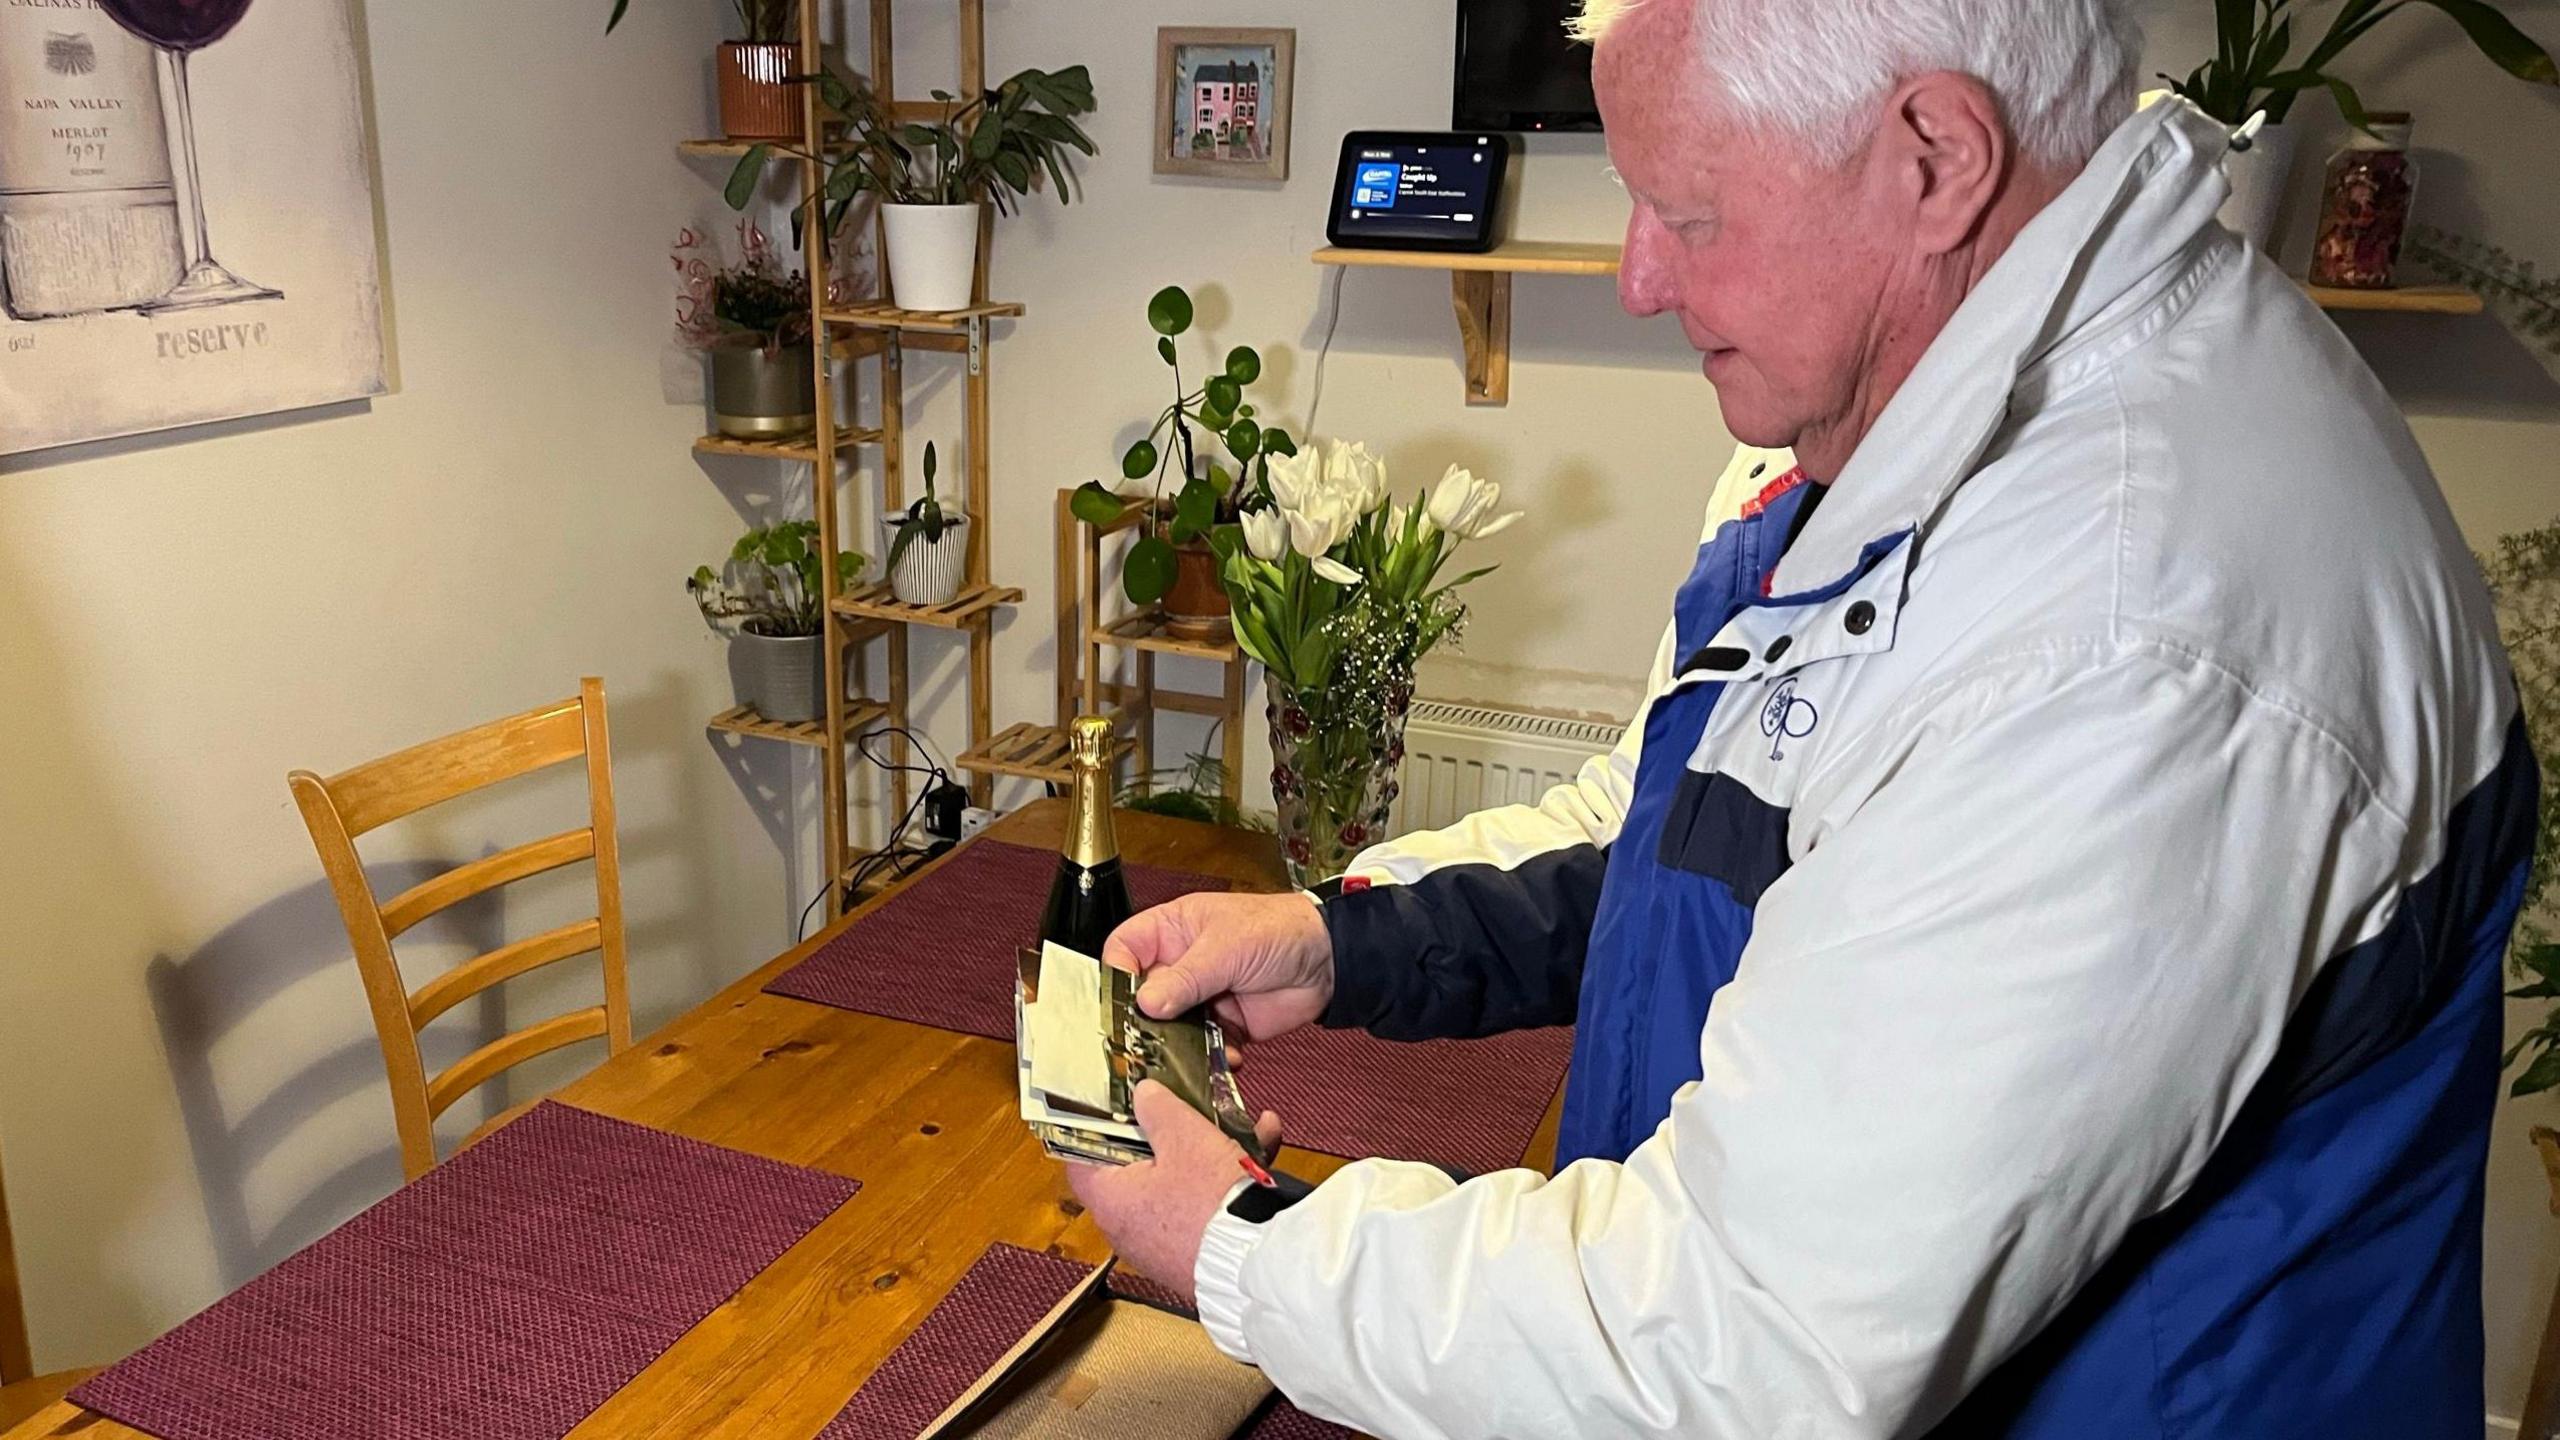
x,y
187,1086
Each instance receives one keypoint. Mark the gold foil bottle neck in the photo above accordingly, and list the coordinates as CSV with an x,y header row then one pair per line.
x,y
1090,836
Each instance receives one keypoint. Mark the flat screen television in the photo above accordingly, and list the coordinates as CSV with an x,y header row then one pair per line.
x,y
1518,70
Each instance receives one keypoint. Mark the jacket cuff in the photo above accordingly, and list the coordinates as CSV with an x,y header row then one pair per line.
x,y
1217,1282
1363,989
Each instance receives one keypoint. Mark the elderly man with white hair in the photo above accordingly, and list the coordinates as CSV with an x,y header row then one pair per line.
x,y
2035,957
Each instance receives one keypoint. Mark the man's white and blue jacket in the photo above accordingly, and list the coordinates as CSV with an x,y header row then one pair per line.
x,y
2036,954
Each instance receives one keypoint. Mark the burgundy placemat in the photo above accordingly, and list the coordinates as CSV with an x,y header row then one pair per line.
x,y
1006,1293
941,952
504,1295
1472,1104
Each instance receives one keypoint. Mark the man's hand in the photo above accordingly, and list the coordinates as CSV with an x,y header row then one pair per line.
x,y
1262,963
1155,1211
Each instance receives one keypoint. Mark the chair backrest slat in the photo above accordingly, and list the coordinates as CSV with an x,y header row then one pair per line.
x,y
343,806
501,965
513,1049
380,791
460,883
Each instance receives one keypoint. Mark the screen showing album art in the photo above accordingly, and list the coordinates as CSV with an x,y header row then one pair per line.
x,y
1418,192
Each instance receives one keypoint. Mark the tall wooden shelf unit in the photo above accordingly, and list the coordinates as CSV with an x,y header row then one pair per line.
x,y
880,331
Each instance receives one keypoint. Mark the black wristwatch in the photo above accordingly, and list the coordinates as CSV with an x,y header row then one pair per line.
x,y
1257,1204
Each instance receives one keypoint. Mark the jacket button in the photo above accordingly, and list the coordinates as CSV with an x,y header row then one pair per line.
x,y
1860,619
1777,648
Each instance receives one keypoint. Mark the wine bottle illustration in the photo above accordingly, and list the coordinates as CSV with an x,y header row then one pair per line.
x,y
181,28
88,211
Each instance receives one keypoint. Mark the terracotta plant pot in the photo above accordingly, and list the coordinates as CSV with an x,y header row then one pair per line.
x,y
757,100
1196,607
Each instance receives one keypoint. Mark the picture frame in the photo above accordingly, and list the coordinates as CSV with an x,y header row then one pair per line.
x,y
1222,101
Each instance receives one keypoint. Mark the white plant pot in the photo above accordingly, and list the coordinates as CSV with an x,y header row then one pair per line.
x,y
931,571
933,256
2258,179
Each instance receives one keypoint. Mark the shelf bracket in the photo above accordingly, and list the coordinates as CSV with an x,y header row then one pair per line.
x,y
977,345
1483,300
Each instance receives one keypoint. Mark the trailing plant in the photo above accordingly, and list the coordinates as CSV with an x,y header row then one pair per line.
x,y
771,585
2528,304
1208,497
994,146
925,517
2254,69
2525,576
752,297
767,22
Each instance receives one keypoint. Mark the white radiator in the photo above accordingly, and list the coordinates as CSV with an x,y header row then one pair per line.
x,y
1459,759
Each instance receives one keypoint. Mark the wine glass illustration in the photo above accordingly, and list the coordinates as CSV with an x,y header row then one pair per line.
x,y
182,27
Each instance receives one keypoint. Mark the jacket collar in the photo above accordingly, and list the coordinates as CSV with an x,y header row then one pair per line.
x,y
2099,269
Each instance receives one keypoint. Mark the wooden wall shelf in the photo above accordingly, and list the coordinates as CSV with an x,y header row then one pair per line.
x,y
2406,300
1480,287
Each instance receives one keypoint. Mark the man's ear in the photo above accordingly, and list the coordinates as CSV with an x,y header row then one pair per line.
x,y
1951,153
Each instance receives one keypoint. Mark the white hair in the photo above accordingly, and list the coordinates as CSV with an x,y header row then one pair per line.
x,y
1813,70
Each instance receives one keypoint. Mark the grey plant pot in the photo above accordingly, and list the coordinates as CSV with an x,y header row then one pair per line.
x,y
761,395
784,678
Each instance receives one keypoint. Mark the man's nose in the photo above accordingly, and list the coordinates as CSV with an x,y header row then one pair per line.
x,y
1644,271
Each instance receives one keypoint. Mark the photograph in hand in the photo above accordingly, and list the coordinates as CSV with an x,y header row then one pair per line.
x,y
1083,1047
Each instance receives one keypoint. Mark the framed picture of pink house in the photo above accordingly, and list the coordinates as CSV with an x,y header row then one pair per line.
x,y
1222,101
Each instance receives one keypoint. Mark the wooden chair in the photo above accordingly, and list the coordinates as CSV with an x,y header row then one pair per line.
x,y
22,1391
346,805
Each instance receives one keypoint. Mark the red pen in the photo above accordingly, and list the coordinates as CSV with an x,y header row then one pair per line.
x,y
1261,1176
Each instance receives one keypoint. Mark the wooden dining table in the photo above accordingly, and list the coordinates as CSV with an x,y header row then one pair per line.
x,y
928,1121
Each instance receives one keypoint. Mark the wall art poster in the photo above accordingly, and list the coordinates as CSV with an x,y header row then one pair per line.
x,y
186,216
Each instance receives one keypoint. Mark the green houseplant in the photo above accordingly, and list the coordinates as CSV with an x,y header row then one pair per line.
x,y
757,101
1171,563
931,177
2255,68
768,598
928,553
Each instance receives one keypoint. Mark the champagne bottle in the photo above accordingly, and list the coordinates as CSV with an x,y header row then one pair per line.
x,y
88,209
1089,898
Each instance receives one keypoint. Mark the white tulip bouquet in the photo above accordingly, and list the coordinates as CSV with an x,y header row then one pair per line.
x,y
1338,593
